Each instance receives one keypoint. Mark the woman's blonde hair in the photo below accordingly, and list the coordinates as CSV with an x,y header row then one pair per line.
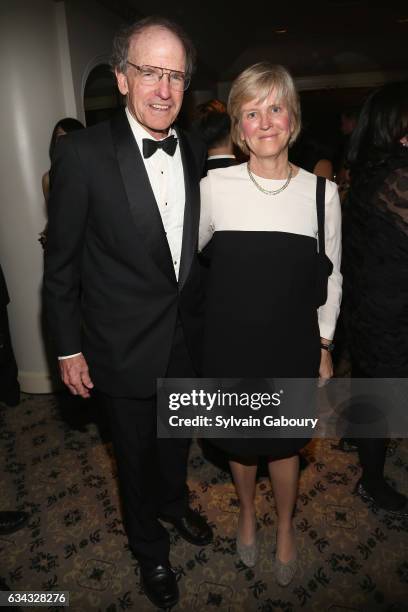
x,y
256,82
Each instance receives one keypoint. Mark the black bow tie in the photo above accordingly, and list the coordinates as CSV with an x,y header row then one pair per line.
x,y
150,146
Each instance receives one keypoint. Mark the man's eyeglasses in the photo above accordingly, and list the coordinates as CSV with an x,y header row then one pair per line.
x,y
153,74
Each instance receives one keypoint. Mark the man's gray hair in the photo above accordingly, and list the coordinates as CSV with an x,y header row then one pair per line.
x,y
121,42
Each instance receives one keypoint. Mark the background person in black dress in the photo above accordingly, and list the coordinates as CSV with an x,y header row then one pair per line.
x,y
213,125
376,264
262,319
312,153
61,128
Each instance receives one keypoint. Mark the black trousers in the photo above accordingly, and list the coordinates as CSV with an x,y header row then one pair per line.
x,y
8,365
151,471
371,451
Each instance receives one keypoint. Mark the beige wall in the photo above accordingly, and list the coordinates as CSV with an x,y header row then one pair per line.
x,y
90,30
31,101
46,49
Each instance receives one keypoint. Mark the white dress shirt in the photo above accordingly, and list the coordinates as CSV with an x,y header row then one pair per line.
x,y
166,178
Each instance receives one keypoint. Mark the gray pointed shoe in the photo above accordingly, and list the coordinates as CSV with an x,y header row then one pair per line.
x,y
248,553
285,572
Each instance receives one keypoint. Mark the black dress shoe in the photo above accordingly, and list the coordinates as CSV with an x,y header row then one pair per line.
x,y
11,521
160,585
11,396
192,527
384,498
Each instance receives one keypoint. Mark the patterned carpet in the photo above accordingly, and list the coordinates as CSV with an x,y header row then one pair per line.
x,y
56,463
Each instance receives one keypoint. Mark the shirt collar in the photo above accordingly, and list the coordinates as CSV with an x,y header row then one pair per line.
x,y
221,157
139,132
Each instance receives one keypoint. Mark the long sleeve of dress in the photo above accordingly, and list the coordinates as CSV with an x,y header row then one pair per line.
x,y
329,312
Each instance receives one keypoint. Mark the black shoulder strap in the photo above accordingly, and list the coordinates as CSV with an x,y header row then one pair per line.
x,y
320,193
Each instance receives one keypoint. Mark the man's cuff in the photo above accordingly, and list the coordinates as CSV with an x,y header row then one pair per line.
x,y
68,356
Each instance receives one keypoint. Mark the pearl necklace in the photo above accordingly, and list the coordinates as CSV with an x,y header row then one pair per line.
x,y
270,191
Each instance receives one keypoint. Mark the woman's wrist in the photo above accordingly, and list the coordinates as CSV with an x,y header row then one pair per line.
x,y
326,345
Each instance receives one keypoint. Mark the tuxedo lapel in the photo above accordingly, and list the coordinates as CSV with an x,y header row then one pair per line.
x,y
142,203
191,210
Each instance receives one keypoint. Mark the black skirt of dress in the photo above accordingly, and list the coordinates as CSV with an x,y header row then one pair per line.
x,y
261,318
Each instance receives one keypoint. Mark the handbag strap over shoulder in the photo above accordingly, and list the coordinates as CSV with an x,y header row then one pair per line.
x,y
320,197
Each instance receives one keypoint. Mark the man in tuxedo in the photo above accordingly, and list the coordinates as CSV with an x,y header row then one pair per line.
x,y
122,281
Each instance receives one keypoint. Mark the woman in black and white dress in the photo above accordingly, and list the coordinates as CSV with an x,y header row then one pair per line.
x,y
262,319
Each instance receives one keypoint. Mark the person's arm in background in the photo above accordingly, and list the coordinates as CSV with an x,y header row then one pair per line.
x,y
394,194
324,167
45,184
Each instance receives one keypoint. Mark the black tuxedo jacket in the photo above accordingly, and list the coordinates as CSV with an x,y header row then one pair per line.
x,y
110,288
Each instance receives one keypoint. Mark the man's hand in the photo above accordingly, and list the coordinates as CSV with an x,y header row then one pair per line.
x,y
75,374
326,367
